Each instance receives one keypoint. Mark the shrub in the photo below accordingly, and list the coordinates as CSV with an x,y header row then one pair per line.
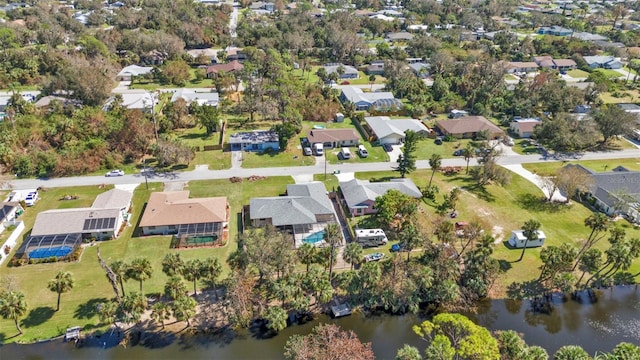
x,y
7,249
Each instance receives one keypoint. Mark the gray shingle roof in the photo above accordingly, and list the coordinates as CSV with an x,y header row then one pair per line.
x,y
69,221
607,185
355,95
301,205
383,126
114,198
356,191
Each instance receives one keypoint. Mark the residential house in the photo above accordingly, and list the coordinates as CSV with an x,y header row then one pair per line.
x,y
193,96
173,212
604,62
455,114
582,109
262,8
230,67
551,63
333,138
135,101
360,195
9,212
585,36
518,240
154,57
210,54
379,101
402,36
418,27
420,69
554,30
128,73
521,67
45,101
616,192
343,71
114,199
469,127
376,68
305,211
523,127
256,141
388,131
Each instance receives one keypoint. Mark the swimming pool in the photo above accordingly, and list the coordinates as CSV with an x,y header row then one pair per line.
x,y
56,251
315,237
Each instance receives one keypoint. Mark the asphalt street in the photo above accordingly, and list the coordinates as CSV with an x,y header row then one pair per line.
x,y
205,174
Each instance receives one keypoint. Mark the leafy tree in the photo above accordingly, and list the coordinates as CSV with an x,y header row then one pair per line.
x,y
530,232
455,335
184,308
63,282
207,116
407,161
328,341
160,312
571,352
269,252
395,208
435,161
176,72
172,152
408,352
573,180
353,254
612,120
140,270
172,264
13,306
174,287
276,318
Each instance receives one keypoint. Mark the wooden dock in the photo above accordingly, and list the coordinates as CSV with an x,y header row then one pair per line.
x,y
72,333
340,310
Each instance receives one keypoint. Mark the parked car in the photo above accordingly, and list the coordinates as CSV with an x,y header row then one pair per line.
x,y
458,152
509,141
387,147
319,149
373,257
345,83
31,198
397,247
362,151
114,173
438,140
345,154
307,151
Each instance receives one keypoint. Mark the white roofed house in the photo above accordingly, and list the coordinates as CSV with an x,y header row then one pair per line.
x,y
379,101
518,240
128,73
305,211
144,101
348,72
192,96
388,131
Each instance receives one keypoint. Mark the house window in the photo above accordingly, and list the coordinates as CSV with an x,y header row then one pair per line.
x,y
151,227
172,227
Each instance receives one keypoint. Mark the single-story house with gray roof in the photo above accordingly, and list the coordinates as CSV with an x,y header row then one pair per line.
x,y
349,72
604,62
257,141
360,195
333,138
128,73
392,131
304,211
616,192
378,100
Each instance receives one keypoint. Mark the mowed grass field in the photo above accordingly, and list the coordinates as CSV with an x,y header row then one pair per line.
x,y
78,306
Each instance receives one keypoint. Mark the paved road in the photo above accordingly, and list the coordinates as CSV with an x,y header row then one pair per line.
x,y
205,174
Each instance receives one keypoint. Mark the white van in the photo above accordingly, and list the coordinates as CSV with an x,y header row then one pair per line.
x,y
362,151
345,154
318,148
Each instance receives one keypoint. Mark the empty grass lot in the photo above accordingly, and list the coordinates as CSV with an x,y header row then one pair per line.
x,y
191,83
578,74
549,168
78,307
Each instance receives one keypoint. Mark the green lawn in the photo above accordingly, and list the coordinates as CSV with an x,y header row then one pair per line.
x,y
577,73
524,147
549,168
78,307
609,73
427,146
292,156
510,77
192,83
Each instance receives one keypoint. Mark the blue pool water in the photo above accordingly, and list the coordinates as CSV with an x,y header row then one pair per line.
x,y
315,237
56,251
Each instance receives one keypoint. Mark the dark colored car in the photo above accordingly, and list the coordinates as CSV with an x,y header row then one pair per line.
x,y
438,140
387,147
458,152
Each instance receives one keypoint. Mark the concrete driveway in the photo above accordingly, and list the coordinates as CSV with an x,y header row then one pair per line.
x,y
397,151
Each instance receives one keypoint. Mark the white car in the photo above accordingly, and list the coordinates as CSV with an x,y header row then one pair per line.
x,y
114,173
31,198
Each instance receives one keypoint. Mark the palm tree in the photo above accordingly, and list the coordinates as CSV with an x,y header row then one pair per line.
x,y
333,237
13,306
184,308
598,223
107,312
192,271
435,161
133,306
467,153
352,254
307,254
119,268
172,264
140,270
62,283
276,318
571,352
530,232
160,312
212,269
174,288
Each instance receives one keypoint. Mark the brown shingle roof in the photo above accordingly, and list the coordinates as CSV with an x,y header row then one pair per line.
x,y
564,62
332,135
526,126
176,208
233,66
468,124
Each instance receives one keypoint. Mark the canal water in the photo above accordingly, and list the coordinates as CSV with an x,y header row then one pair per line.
x,y
599,326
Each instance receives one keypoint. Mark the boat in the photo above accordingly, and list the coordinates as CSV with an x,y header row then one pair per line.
x,y
373,257
340,310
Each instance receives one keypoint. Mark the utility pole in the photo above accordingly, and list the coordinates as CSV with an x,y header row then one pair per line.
x,y
153,112
324,154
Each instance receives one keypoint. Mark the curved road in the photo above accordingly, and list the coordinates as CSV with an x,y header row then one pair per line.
x,y
205,174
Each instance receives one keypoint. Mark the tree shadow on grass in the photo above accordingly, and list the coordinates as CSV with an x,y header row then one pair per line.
x,y
89,309
540,204
504,265
38,316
